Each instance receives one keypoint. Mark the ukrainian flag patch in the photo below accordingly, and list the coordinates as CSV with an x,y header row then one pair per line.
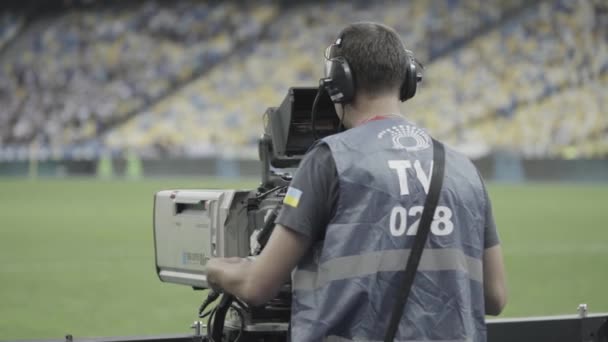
x,y
292,198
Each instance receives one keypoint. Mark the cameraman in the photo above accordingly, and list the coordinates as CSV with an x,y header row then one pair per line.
x,y
351,214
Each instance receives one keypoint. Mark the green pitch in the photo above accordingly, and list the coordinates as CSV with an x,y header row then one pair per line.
x,y
77,255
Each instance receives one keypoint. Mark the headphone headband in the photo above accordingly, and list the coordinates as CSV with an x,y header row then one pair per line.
x,y
340,81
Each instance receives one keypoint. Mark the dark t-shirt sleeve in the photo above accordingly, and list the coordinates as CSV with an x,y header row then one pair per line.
x,y
315,193
491,238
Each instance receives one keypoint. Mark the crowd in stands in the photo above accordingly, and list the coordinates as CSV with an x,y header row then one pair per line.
x,y
563,125
223,110
528,77
536,85
82,70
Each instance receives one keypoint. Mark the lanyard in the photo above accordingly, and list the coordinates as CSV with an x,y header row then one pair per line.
x,y
376,118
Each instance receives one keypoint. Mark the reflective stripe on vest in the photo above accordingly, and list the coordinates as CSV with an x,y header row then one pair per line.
x,y
342,339
450,259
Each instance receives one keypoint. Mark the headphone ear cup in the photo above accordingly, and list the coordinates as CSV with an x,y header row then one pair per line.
x,y
410,82
342,81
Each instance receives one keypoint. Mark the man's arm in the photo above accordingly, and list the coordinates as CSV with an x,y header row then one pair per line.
x,y
300,222
494,280
259,280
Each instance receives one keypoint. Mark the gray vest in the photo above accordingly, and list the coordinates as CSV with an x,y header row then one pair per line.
x,y
344,288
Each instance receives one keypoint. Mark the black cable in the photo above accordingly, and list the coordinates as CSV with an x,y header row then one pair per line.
x,y
242,319
206,314
211,297
237,302
211,316
211,321
265,194
313,112
341,124
219,316
267,229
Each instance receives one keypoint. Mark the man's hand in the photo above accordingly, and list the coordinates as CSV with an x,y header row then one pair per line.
x,y
215,269
259,280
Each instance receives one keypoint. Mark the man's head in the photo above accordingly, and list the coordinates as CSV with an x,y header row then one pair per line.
x,y
376,57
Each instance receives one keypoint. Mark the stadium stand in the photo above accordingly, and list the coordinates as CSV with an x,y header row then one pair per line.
x,y
532,85
528,77
221,113
91,67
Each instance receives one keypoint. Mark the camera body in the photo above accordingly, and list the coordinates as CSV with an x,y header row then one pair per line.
x,y
191,226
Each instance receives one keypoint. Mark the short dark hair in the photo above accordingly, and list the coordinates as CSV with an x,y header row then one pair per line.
x,y
376,56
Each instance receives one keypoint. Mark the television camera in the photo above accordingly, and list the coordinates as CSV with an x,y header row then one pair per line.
x,y
192,226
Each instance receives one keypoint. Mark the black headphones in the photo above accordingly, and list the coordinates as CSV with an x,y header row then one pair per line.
x,y
339,81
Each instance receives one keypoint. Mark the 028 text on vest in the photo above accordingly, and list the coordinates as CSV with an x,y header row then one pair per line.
x,y
442,220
